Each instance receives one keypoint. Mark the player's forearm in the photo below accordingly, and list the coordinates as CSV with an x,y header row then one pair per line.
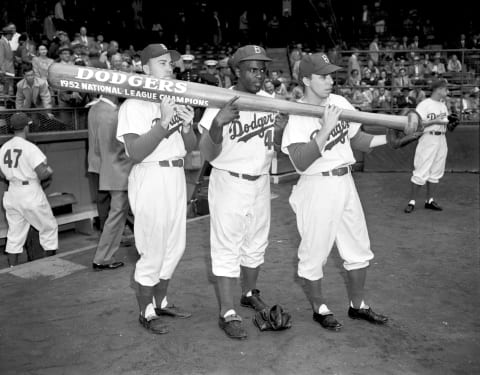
x,y
139,147
189,140
304,154
321,138
209,149
216,132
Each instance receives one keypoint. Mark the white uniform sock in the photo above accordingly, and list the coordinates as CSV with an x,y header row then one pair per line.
x,y
150,312
362,305
249,293
430,200
412,202
229,312
323,309
164,302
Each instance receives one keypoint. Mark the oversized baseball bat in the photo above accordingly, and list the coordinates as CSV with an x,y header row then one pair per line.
x,y
144,87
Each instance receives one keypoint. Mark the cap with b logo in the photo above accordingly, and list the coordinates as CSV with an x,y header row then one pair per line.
x,y
155,50
249,53
317,63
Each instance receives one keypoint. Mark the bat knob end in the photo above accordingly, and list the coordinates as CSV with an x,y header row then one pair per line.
x,y
414,122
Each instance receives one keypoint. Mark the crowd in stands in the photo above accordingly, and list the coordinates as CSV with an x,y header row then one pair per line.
x,y
392,72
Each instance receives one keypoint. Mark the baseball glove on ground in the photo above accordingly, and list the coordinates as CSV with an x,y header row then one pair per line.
x,y
397,138
453,121
273,318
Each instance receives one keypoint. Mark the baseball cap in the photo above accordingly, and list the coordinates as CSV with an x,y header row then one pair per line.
x,y
154,50
19,120
318,63
249,53
437,83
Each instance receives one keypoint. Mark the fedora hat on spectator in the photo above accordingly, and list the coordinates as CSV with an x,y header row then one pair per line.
x,y
65,48
155,50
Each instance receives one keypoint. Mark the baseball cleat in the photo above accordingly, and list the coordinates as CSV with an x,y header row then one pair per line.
x,y
172,311
254,301
327,321
233,327
111,266
433,206
153,325
409,208
368,315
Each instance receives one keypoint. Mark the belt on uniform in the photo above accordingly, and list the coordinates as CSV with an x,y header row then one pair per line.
x,y
436,133
337,171
19,182
171,163
244,176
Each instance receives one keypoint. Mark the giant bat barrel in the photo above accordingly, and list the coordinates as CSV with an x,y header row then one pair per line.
x,y
144,87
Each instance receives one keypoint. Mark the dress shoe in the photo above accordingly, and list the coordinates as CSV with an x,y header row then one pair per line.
x,y
233,327
172,311
368,315
409,208
111,266
254,301
153,325
327,321
433,206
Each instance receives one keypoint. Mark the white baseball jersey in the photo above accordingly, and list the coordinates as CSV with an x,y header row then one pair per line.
x,y
25,202
431,152
157,194
337,151
430,109
247,145
19,158
138,117
327,208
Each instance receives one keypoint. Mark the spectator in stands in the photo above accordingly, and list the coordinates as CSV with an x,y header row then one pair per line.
x,y
379,18
405,100
88,42
65,55
49,28
401,81
41,63
25,51
354,78
437,68
369,78
224,74
462,43
14,42
105,57
296,54
32,92
353,63
59,10
269,88
374,49
428,31
372,67
417,92
116,62
467,105
416,71
100,45
362,97
365,27
7,67
216,28
243,28
454,65
391,46
382,100
136,64
280,89
403,48
384,79
295,92
415,43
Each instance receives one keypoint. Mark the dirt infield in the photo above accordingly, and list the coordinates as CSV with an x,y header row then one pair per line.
x,y
424,277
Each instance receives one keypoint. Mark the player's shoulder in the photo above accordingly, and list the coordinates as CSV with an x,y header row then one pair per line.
x,y
339,101
136,103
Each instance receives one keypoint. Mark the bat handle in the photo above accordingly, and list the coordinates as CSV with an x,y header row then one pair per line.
x,y
414,122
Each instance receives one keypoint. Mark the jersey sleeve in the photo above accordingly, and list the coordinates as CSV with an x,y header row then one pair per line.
x,y
207,118
35,156
296,131
422,109
131,119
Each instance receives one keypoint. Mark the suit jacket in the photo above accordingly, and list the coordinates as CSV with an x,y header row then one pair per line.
x,y
6,56
114,165
33,96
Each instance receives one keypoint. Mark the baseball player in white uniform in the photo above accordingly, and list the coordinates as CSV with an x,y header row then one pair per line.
x,y
157,136
325,200
431,151
240,146
24,165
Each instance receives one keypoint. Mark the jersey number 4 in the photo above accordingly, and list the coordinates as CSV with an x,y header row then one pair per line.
x,y
268,139
8,160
